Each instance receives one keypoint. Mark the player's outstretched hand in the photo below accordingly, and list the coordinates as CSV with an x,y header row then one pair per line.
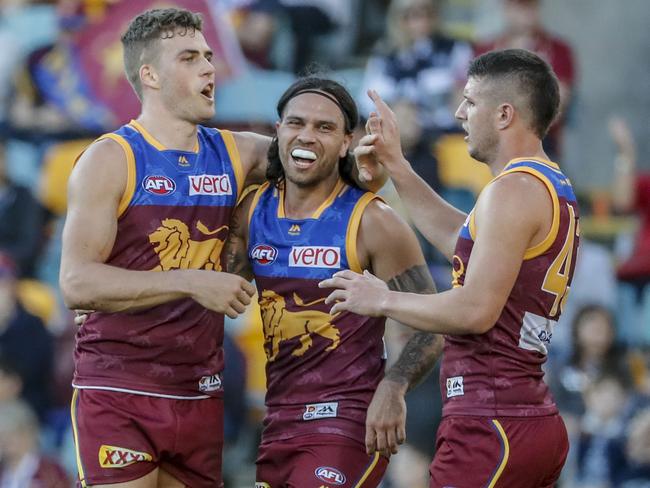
x,y
386,419
382,142
222,292
363,294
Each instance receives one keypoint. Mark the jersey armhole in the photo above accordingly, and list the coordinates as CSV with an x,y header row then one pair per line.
x,y
233,153
129,190
256,199
547,242
353,230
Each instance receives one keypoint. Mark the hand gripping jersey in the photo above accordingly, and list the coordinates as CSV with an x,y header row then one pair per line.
x,y
174,215
499,373
321,370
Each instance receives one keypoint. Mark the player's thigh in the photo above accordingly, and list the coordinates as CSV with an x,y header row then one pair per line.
x,y
147,481
503,452
166,480
319,460
111,440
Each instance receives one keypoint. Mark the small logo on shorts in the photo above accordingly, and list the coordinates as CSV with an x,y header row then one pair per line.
x,y
210,383
455,386
262,484
320,411
118,457
330,475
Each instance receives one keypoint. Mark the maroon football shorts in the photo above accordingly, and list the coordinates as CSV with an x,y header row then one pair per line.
x,y
313,461
121,437
503,452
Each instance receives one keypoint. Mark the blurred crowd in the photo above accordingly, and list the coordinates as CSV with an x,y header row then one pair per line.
x,y
61,85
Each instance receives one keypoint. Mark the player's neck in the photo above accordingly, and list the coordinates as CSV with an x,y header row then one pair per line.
x,y
515,146
301,202
171,132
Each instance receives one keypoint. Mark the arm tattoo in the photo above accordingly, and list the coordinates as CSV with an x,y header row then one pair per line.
x,y
236,255
422,351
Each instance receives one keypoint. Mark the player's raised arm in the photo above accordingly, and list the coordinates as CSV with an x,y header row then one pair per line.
x,y
95,190
395,256
510,214
436,219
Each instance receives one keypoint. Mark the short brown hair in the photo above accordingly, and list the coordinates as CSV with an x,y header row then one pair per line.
x,y
145,30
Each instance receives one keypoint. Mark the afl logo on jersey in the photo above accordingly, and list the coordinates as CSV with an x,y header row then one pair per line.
x,y
264,254
159,185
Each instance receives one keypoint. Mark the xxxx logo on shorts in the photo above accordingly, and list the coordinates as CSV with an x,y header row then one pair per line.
x,y
118,457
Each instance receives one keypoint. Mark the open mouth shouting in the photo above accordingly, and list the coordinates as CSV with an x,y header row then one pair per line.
x,y
303,158
208,92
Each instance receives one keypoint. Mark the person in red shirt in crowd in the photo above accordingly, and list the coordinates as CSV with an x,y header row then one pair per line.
x,y
524,30
631,193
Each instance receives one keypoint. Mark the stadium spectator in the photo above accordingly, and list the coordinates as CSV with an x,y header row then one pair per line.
x,y
25,342
629,455
524,30
21,221
21,463
415,62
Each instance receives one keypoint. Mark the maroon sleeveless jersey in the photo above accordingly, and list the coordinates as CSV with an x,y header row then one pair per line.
x,y
174,215
321,370
499,373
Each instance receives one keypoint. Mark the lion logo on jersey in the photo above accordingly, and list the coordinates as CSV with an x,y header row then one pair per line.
x,y
176,250
281,324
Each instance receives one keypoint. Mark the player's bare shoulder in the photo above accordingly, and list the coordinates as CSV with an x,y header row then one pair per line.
x,y
252,149
101,169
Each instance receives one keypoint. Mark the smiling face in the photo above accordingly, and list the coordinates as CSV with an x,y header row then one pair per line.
x,y
311,139
184,75
478,114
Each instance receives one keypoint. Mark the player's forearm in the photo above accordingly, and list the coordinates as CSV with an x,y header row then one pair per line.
x,y
417,359
97,286
437,220
453,312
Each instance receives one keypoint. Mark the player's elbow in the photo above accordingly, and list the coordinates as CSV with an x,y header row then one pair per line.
x,y
74,290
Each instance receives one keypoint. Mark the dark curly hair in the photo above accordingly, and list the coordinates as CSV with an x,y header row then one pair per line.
x,y
146,29
339,95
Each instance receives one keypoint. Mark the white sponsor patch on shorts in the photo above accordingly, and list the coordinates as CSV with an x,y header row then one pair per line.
x,y
315,411
262,484
210,383
455,386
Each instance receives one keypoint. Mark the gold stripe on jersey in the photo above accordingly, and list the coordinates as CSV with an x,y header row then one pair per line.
x,y
153,141
330,199
506,454
129,190
73,416
249,189
256,199
235,160
545,245
545,162
472,225
368,472
353,230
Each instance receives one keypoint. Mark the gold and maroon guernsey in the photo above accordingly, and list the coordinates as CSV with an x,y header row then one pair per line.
x,y
174,215
321,370
499,373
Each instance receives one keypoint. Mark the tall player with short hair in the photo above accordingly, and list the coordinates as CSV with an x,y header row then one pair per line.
x,y
307,222
513,259
149,211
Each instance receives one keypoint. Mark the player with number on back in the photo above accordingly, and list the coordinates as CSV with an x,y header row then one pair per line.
x,y
513,259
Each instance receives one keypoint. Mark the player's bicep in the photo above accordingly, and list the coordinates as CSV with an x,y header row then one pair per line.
x,y
506,221
236,247
95,189
253,149
393,251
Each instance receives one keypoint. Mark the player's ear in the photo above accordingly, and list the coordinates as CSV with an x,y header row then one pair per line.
x,y
505,115
149,77
345,147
